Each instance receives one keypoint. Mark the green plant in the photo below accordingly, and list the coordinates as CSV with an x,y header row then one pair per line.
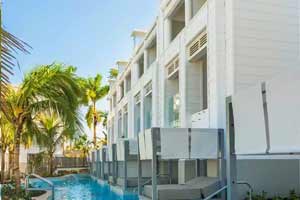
x,y
293,195
8,193
113,73
82,144
278,198
262,196
47,88
36,162
52,131
6,141
93,91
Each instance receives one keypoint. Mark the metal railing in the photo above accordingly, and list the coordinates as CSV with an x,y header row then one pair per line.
x,y
150,180
250,189
225,188
216,192
39,189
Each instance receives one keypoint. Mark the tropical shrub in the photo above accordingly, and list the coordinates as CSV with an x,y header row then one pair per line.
x,y
8,192
263,196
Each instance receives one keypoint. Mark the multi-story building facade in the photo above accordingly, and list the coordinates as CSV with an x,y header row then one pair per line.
x,y
196,53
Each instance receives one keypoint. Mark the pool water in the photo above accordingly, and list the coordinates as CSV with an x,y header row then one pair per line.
x,y
80,187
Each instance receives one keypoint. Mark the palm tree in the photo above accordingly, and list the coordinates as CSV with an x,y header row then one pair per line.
x,y
9,45
6,141
104,124
52,133
93,92
113,73
47,88
83,144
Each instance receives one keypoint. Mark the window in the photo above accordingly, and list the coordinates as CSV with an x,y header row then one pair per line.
x,y
172,109
128,82
120,124
110,104
125,121
151,51
114,100
140,64
137,114
197,84
148,106
196,6
122,90
177,20
112,130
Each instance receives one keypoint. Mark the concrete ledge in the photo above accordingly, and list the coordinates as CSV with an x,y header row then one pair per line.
x,y
45,196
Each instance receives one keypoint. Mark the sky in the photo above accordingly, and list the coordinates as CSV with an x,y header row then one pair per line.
x,y
88,34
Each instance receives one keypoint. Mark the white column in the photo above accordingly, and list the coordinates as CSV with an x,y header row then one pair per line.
x,y
142,111
168,31
145,60
188,10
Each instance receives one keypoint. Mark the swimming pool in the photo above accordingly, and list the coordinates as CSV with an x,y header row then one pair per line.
x,y
80,187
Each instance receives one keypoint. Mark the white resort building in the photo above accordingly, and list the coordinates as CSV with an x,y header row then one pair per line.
x,y
195,55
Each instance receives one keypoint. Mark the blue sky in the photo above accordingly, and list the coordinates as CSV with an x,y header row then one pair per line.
x,y
89,34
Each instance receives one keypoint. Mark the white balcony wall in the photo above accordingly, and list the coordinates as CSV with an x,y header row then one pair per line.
x,y
265,40
216,63
197,24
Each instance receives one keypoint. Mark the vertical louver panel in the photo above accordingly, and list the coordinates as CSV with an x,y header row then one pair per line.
x,y
148,88
137,98
173,66
198,44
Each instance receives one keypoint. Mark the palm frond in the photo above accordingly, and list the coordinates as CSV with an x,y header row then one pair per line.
x,y
113,73
10,46
89,116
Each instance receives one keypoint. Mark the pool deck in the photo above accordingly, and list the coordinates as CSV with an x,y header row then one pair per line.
x,y
70,169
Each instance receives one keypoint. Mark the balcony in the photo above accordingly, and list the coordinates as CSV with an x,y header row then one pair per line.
x,y
197,24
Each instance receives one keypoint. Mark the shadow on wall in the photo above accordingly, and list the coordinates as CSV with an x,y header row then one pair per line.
x,y
275,177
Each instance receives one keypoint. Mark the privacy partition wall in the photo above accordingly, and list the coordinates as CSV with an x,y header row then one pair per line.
x,y
173,144
263,121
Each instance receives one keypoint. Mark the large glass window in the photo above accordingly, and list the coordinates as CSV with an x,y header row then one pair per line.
x,y
173,111
112,130
140,65
177,20
122,90
125,122
114,99
120,124
148,106
151,52
128,82
137,114
172,94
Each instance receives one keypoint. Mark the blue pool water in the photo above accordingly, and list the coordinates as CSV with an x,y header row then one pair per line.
x,y
80,187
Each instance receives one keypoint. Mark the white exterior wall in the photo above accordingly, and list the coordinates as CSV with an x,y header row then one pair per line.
x,y
248,41
137,86
264,40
